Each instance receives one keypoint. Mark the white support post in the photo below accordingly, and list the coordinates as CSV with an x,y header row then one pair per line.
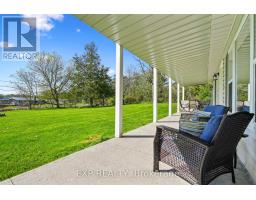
x,y
183,93
234,81
213,93
119,91
154,95
170,96
178,97
249,92
251,88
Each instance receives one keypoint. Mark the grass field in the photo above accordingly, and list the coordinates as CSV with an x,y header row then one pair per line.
x,y
29,139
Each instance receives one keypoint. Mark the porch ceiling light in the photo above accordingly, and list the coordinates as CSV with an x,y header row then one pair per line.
x,y
216,76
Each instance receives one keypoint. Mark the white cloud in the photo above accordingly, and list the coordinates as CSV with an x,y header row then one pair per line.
x,y
5,44
111,72
45,22
78,30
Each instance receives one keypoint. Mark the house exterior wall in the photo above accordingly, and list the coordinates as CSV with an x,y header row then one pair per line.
x,y
247,146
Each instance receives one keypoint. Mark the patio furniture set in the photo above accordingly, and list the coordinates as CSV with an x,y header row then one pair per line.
x,y
205,145
192,105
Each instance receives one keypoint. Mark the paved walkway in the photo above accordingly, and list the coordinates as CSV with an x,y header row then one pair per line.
x,y
126,160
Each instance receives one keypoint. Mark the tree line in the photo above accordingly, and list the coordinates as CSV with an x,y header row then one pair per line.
x,y
87,80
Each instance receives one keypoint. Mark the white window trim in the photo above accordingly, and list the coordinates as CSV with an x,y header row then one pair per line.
x,y
253,88
227,94
252,68
232,52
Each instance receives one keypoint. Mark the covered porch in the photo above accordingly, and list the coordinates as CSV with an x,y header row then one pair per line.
x,y
190,50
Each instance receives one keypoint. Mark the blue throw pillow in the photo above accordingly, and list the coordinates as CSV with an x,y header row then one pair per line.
x,y
192,127
215,109
211,128
197,114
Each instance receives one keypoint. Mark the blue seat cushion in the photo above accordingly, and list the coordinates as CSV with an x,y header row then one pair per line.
x,y
211,128
215,109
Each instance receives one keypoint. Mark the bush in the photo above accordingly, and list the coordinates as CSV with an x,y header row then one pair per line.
x,y
130,100
110,101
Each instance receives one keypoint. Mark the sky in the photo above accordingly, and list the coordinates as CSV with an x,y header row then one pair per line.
x,y
66,35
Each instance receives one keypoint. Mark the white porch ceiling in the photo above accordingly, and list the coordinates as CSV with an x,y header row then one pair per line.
x,y
188,48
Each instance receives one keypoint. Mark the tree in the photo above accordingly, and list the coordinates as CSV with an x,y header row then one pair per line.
x,y
90,77
205,93
162,88
199,92
129,86
27,85
104,84
145,80
53,76
138,82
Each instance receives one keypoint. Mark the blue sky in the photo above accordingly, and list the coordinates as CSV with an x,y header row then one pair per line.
x,y
66,35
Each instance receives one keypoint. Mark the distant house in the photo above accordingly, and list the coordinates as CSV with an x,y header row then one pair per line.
x,y
14,101
19,101
4,101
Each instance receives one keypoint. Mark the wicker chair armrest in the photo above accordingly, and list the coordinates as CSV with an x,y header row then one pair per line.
x,y
182,135
181,151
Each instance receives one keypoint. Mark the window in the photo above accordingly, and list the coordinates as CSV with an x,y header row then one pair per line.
x,y
255,37
243,68
254,64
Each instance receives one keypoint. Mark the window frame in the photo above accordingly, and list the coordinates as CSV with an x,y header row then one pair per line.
x,y
254,88
253,65
248,20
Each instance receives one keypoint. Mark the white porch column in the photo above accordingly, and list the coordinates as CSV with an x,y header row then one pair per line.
x,y
249,92
178,97
251,89
170,95
213,94
154,94
183,93
234,81
119,91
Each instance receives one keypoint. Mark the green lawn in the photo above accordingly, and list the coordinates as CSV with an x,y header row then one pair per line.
x,y
29,139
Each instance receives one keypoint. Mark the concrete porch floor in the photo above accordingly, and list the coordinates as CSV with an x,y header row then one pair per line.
x,y
126,160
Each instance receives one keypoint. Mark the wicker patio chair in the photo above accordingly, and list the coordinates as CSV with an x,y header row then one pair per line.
x,y
195,160
184,105
193,105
